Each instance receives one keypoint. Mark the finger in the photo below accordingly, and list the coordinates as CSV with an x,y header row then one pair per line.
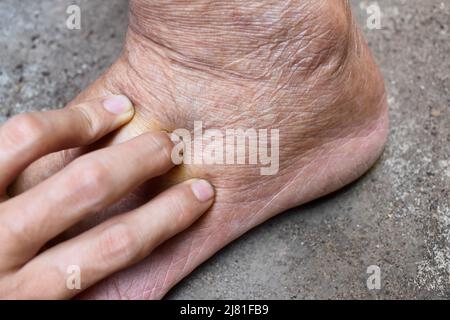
x,y
89,184
119,242
28,137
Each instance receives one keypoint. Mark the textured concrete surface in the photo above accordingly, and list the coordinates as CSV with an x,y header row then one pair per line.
x,y
396,217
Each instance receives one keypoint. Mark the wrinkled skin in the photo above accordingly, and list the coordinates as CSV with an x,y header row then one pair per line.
x,y
300,66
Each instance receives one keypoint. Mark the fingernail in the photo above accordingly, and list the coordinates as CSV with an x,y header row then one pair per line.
x,y
202,190
118,104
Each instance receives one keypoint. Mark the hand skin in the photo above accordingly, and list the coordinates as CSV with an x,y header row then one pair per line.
x,y
89,184
299,66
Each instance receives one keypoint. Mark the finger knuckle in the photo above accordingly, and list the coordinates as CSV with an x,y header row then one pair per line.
x,y
22,131
15,231
179,210
91,177
162,145
90,124
119,244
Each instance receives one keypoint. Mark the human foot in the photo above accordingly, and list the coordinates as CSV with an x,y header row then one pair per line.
x,y
300,67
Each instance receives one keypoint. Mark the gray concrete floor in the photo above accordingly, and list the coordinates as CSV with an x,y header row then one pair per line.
x,y
396,217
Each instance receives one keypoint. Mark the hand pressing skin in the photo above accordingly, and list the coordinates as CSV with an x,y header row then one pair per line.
x,y
91,183
299,66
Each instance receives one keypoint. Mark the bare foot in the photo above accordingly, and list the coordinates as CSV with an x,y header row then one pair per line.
x,y
300,67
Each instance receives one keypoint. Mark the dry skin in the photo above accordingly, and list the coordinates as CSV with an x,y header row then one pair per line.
x,y
298,66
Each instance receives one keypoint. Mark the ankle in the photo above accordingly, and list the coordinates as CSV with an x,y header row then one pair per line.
x,y
242,39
